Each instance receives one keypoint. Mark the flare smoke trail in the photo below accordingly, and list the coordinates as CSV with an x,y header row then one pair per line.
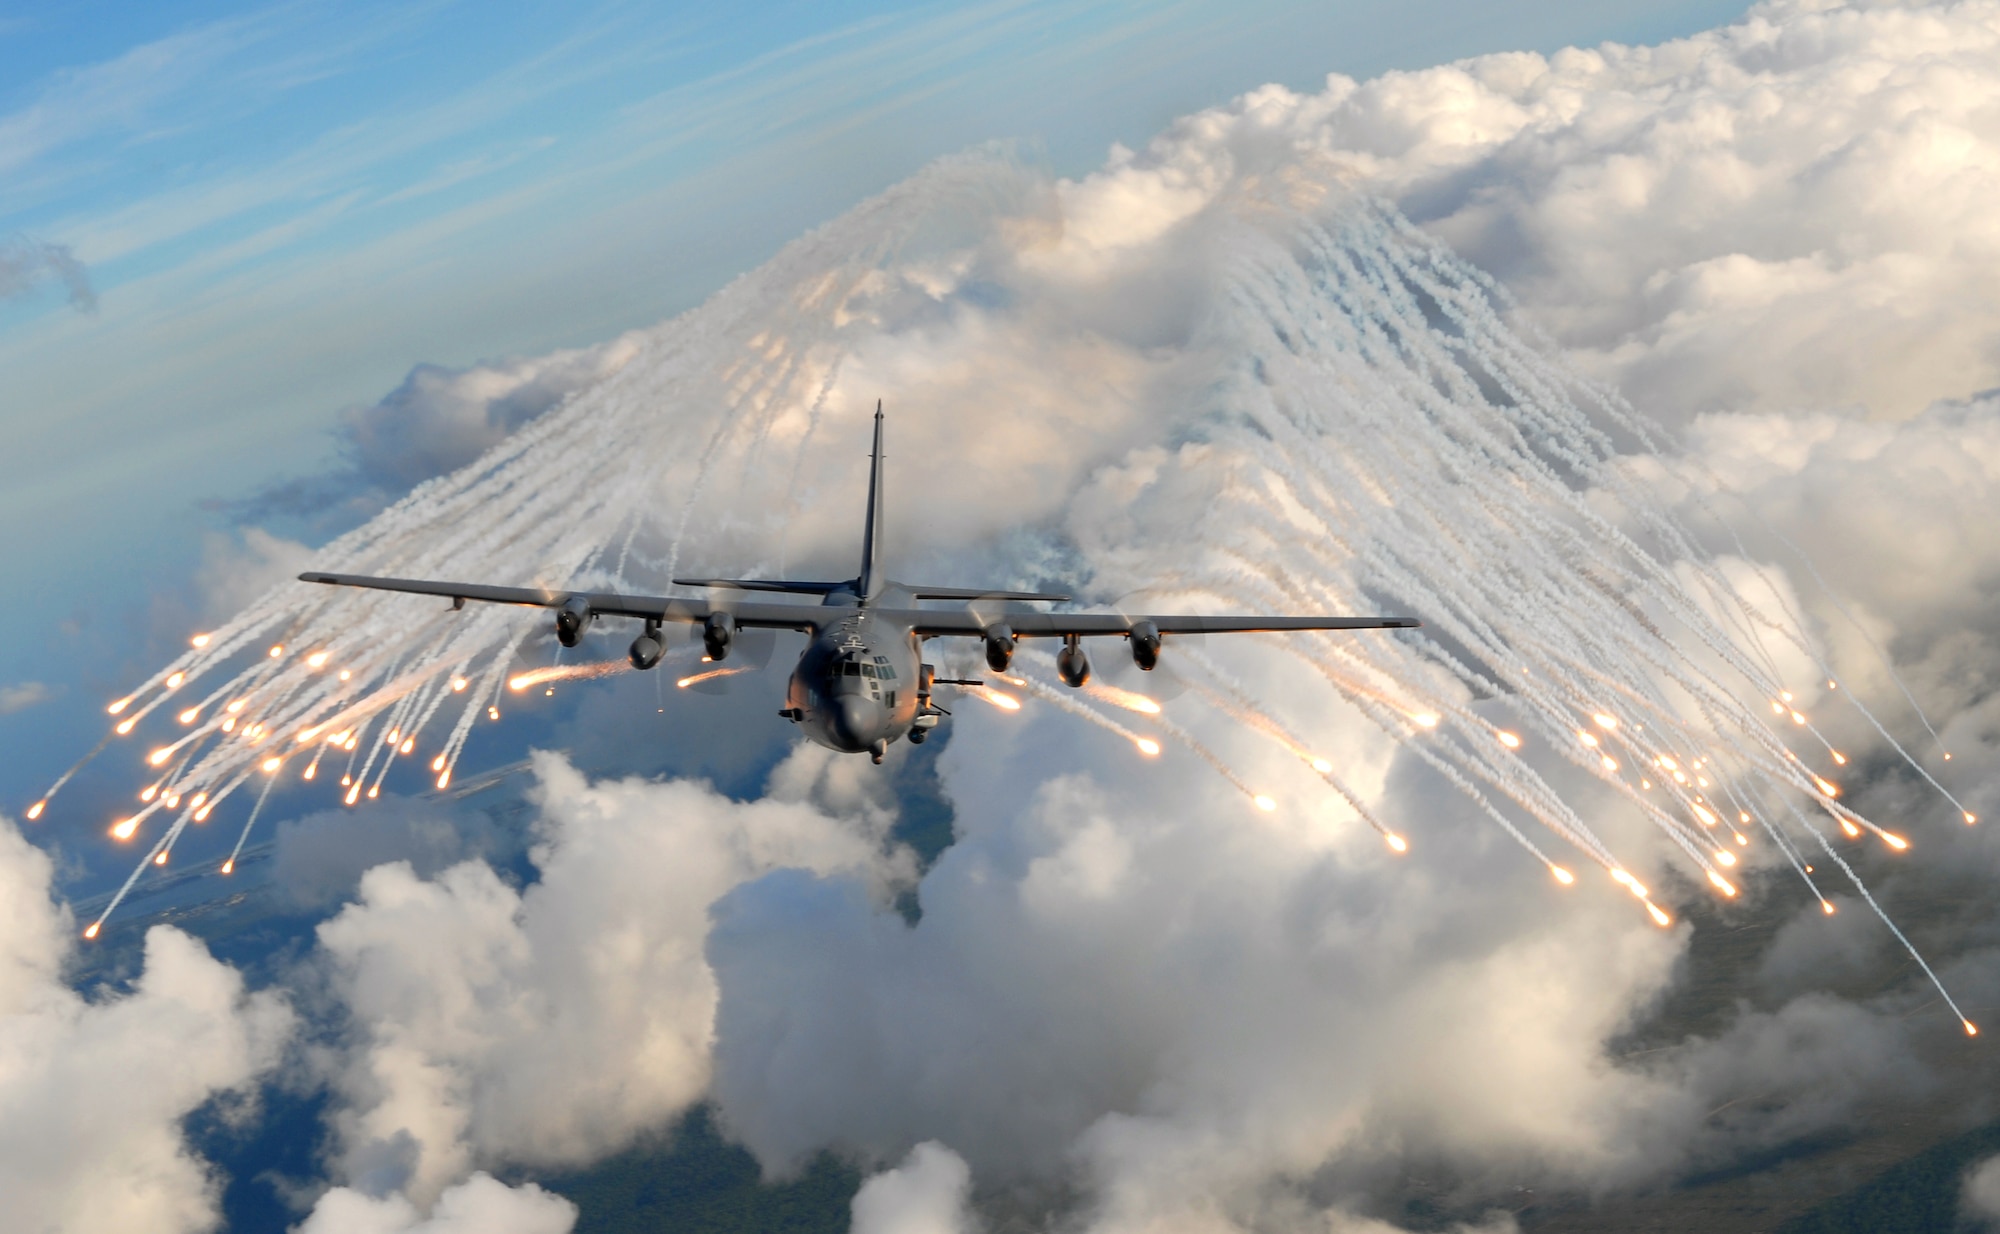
x,y
1369,434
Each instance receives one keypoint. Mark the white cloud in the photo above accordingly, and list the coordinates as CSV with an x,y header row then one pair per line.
x,y
1980,1204
94,1092
440,419
550,1025
1785,213
927,1194
480,1205
237,568
23,696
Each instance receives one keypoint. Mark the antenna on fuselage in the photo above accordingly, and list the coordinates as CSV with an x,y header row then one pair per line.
x,y
871,536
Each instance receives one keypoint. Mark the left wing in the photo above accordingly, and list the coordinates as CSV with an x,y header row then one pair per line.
x,y
598,603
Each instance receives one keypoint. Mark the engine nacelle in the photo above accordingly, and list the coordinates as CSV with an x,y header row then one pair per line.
x,y
647,650
1073,664
999,647
572,619
717,633
1145,645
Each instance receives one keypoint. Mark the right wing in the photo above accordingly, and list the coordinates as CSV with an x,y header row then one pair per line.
x,y
933,623
603,603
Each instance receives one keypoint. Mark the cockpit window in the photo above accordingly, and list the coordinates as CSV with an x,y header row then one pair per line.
x,y
850,669
868,670
886,673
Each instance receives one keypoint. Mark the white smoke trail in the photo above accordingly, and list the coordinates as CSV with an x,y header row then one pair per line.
x,y
1373,435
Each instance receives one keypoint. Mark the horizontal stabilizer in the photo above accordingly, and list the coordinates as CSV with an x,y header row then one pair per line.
x,y
767,584
974,593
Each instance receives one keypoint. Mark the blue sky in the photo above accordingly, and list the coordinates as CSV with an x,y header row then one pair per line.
x,y
282,208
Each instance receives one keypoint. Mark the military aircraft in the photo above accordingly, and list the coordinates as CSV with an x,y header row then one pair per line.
x,y
861,682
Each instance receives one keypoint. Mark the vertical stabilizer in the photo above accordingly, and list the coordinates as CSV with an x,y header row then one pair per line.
x,y
871,538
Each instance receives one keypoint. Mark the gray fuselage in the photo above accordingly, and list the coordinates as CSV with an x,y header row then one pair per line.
x,y
855,687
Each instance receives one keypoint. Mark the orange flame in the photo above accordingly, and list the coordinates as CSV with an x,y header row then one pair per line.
x,y
601,668
1122,698
698,678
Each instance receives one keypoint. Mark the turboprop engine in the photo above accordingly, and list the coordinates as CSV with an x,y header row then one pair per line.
x,y
717,633
572,619
1145,645
999,647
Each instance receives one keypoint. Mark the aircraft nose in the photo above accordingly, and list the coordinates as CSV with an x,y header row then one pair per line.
x,y
854,721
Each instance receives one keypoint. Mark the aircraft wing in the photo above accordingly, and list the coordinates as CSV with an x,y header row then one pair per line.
x,y
805,617
944,622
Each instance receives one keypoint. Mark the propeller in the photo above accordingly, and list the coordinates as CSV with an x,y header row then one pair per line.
x,y
749,651
1162,683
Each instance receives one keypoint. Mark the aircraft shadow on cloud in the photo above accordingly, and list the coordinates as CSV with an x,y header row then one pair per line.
x,y
861,682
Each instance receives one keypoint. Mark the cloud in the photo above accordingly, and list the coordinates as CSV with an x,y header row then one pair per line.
x,y
440,419
480,1205
1784,213
1980,1204
318,859
23,696
436,422
550,1025
926,1194
94,1092
1177,1013
25,263
237,568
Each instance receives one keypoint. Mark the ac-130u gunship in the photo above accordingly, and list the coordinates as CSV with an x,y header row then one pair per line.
x,y
861,682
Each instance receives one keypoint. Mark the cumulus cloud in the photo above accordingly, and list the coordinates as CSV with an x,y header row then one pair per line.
x,y
1179,1011
1980,1203
551,1024
238,567
319,858
1784,213
440,419
25,263
94,1091
1896,519
926,1194
480,1205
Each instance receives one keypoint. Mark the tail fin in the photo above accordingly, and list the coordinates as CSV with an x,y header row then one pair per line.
x,y
871,579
